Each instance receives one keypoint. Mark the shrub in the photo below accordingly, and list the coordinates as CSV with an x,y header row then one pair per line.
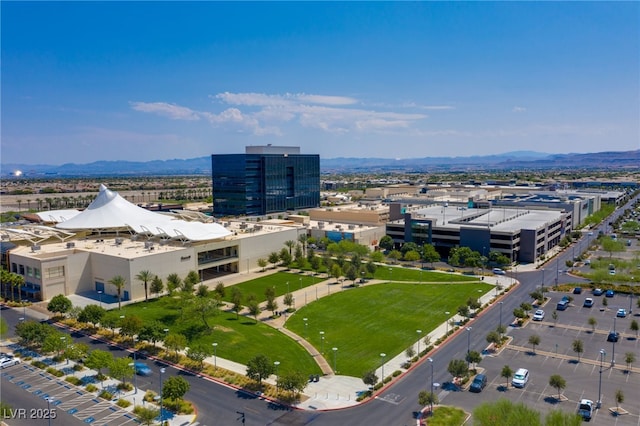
x,y
39,364
398,372
73,380
55,372
125,386
123,403
179,406
363,395
78,367
377,386
387,379
105,395
91,387
149,396
406,365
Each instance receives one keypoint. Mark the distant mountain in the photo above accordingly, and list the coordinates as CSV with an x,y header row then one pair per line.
x,y
517,160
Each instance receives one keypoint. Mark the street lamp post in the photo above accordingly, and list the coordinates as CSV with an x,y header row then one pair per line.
x,y
431,410
542,283
162,371
447,323
390,274
500,303
468,346
100,296
287,286
613,352
276,363
382,355
215,355
419,336
602,354
322,339
49,409
335,351
305,326
133,364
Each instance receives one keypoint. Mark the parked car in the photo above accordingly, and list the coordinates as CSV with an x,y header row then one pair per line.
x,y
521,378
598,292
8,362
565,299
588,302
539,315
498,271
613,336
622,313
142,369
587,262
577,290
585,409
562,305
479,382
609,293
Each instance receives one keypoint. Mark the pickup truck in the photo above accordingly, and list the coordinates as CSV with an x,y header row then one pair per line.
x,y
585,409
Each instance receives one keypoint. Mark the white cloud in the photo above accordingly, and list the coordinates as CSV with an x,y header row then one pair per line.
x,y
519,109
262,113
172,111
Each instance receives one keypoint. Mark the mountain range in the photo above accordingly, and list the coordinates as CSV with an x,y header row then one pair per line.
x,y
517,160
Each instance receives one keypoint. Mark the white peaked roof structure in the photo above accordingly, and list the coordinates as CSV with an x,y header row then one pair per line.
x,y
111,211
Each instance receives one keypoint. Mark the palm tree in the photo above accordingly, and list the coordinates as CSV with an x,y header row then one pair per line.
x,y
145,277
290,244
118,282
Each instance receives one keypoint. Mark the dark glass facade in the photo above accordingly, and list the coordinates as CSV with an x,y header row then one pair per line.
x,y
259,184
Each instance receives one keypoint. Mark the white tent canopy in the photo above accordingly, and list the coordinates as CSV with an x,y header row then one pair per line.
x,y
110,210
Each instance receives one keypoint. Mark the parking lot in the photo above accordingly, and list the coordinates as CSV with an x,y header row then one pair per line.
x,y
584,373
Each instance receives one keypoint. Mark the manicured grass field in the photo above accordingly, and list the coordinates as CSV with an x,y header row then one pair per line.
x,y
418,275
238,339
366,321
278,281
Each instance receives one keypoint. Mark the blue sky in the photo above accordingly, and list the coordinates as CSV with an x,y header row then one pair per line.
x,y
87,81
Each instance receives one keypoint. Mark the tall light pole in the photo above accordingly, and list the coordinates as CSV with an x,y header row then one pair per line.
x,y
215,355
100,296
500,303
468,346
305,326
162,371
447,323
335,351
133,364
277,363
300,283
613,352
431,362
66,346
287,286
382,355
322,339
602,354
542,283
419,336
390,274
49,409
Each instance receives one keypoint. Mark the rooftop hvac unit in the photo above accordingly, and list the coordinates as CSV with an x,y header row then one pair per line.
x,y
71,245
119,241
148,245
35,247
352,227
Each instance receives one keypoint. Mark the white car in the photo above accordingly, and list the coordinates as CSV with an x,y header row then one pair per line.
x,y
521,378
8,362
539,315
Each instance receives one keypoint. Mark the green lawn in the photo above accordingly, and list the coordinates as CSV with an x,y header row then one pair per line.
x,y
238,339
278,280
418,275
367,321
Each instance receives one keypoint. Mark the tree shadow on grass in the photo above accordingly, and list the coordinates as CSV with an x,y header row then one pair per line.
x,y
193,331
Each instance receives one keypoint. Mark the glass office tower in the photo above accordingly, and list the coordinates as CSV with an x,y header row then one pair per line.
x,y
265,180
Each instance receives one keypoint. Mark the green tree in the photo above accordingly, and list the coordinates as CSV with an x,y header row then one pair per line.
x,y
98,359
152,332
173,282
254,309
262,263
175,342
534,340
336,271
76,351
386,243
411,256
629,358
145,277
110,320
157,286
558,382
292,381
120,368
554,316
494,338
92,314
578,347
633,326
55,342
175,388
190,281
458,368
131,325
285,257
394,255
147,415
236,299
370,378
259,368
429,254
59,304
473,357
592,322
202,291
619,397
203,307
32,333
506,372
505,413
4,327
427,398
198,353
561,418
274,258
220,289
612,246
118,282
288,300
